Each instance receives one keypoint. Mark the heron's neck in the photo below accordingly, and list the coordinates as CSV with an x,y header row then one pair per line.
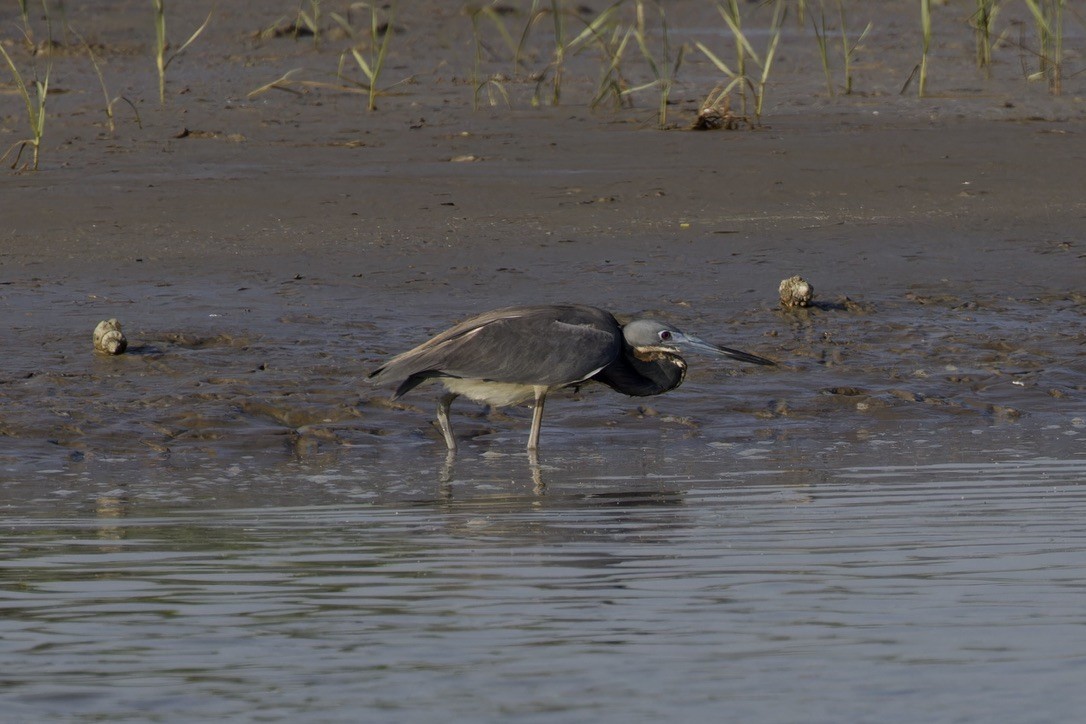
x,y
662,371
644,373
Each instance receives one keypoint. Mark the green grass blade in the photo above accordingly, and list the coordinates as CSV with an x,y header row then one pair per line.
x,y
739,36
366,70
18,78
192,38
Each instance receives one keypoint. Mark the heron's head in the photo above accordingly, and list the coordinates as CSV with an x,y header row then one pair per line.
x,y
648,336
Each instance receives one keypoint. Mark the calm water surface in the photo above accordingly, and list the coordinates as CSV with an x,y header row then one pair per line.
x,y
621,591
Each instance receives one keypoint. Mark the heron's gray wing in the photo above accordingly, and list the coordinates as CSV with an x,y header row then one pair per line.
x,y
428,355
549,345
542,348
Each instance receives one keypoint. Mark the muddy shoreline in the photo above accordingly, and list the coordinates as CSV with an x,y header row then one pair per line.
x,y
265,253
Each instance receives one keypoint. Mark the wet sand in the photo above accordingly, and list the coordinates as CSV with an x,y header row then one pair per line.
x,y
265,253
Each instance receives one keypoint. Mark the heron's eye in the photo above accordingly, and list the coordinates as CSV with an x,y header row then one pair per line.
x,y
665,335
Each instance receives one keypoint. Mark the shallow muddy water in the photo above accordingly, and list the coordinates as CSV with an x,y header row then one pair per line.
x,y
226,523
631,587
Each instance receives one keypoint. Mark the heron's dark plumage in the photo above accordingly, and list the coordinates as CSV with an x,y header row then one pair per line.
x,y
511,355
552,346
656,374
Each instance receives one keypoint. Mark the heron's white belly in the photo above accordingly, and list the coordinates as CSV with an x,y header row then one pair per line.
x,y
496,394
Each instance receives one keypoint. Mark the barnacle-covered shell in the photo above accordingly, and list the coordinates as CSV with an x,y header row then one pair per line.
x,y
108,337
796,292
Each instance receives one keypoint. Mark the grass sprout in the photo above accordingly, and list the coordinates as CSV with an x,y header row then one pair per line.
x,y
920,70
379,35
162,60
848,49
110,102
283,82
311,21
493,85
556,67
287,82
1048,19
665,67
602,31
35,112
612,38
606,33
925,29
983,20
24,13
744,50
558,17
821,36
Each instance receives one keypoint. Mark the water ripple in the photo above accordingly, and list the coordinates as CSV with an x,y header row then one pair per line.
x,y
943,592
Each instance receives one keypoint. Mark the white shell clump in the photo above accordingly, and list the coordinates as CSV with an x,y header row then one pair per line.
x,y
796,292
108,337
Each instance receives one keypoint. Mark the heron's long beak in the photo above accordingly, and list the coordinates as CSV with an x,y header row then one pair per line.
x,y
704,346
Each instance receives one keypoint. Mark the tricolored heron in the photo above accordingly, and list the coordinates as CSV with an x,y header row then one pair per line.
x,y
512,355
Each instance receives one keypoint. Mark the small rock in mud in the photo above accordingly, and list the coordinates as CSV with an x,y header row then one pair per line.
x,y
677,420
844,391
796,292
1004,413
907,395
108,337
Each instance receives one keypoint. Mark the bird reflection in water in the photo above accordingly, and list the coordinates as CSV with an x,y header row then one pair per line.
x,y
447,475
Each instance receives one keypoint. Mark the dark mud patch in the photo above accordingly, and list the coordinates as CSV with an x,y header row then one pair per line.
x,y
882,364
